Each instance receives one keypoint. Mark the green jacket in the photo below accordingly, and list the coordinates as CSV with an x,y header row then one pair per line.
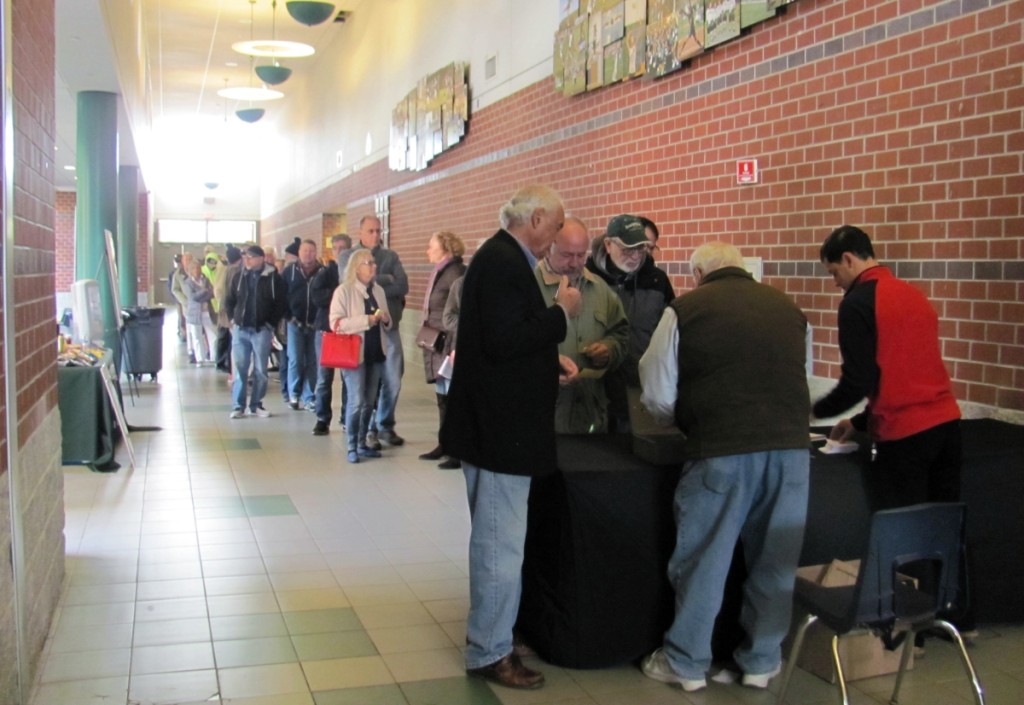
x,y
583,406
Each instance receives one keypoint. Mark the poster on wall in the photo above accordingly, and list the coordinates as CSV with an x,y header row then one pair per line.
x,y
595,52
721,20
574,61
600,42
430,119
754,11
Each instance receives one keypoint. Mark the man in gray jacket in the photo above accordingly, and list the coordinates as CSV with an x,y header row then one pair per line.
x,y
393,280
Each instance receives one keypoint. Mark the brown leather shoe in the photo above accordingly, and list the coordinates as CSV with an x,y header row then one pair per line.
x,y
509,672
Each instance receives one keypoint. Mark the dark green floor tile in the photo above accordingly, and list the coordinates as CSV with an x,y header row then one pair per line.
x,y
241,444
328,645
371,695
339,619
269,505
450,691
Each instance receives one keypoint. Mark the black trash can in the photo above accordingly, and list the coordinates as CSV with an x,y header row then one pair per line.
x,y
143,341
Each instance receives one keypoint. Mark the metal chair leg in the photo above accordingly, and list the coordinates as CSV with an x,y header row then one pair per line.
x,y
840,678
979,696
908,648
794,653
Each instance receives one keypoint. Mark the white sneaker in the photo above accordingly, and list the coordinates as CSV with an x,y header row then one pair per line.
x,y
656,666
236,414
260,412
760,680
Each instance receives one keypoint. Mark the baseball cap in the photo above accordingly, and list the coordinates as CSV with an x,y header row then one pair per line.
x,y
628,230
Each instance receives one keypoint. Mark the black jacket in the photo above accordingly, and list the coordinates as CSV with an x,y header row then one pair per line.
x,y
301,307
501,406
321,289
270,303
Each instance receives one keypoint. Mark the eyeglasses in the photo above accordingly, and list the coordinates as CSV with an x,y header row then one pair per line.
x,y
635,251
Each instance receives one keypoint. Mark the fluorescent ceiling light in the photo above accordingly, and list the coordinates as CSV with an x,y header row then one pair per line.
x,y
274,48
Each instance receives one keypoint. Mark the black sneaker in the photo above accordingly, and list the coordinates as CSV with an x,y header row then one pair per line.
x,y
321,428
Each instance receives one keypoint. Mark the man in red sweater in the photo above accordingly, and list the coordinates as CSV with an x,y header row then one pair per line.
x,y
889,341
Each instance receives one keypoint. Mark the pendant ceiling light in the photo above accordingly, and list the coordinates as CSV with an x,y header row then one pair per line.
x,y
250,114
272,48
273,73
309,13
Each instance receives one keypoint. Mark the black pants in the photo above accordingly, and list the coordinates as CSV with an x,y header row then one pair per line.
x,y
223,349
925,467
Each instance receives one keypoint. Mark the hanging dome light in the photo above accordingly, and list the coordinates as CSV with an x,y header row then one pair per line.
x,y
309,13
250,114
273,74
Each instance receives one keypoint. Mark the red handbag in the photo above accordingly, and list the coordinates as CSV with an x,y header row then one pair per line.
x,y
340,350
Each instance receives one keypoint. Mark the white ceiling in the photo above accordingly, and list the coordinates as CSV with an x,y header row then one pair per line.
x,y
186,47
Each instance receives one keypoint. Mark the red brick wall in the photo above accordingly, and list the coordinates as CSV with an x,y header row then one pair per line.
x,y
33,306
902,117
64,231
64,259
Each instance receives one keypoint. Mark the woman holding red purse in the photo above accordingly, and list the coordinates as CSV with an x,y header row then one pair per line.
x,y
360,307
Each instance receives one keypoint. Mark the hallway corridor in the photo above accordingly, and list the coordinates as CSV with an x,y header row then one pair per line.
x,y
245,562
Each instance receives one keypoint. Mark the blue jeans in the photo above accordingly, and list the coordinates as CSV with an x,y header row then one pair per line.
x,y
394,368
282,370
497,509
760,498
323,395
250,345
303,362
361,384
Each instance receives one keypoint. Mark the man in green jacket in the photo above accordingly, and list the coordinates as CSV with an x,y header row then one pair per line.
x,y
597,336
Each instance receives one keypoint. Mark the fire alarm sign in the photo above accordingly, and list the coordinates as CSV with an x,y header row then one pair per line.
x,y
746,171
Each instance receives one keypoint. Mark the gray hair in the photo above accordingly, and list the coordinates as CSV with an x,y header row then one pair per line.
x,y
355,259
520,207
715,255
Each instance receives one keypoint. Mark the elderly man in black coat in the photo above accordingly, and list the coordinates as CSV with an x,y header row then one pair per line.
x,y
500,418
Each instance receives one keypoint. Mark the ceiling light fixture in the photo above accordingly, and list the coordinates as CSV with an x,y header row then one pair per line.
x,y
250,114
273,73
309,13
273,48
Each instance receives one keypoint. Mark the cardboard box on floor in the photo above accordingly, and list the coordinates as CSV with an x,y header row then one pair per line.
x,y
862,655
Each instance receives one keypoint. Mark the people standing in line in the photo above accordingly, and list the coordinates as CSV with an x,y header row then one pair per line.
x,y
444,251
171,276
197,314
726,366
621,258
223,275
322,291
303,360
178,292
597,338
500,417
392,279
359,305
255,304
892,356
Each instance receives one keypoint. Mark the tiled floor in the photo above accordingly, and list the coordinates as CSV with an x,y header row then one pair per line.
x,y
246,562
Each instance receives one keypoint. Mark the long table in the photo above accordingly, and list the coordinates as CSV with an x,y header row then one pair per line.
x,y
88,431
601,530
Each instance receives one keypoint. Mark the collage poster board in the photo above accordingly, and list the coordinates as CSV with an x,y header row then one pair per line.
x,y
602,42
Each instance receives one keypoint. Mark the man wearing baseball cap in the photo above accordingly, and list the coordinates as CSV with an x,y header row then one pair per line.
x,y
255,304
621,258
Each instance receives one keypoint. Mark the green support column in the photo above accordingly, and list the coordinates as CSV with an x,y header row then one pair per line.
x,y
128,235
96,209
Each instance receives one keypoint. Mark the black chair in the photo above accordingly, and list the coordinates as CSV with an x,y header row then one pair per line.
x,y
884,602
